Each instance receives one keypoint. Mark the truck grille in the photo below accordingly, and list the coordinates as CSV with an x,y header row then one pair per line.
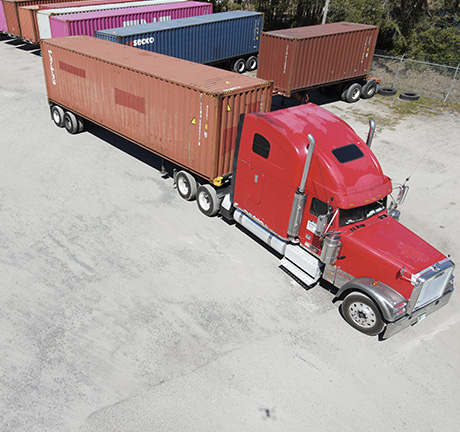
x,y
431,283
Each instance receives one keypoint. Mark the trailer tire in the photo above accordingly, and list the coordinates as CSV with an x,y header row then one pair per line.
x,y
251,63
71,123
369,89
239,66
57,114
186,185
362,313
353,93
206,198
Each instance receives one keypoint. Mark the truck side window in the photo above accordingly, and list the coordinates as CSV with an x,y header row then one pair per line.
x,y
319,207
261,146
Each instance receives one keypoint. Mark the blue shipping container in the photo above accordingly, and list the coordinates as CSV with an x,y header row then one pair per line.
x,y
205,39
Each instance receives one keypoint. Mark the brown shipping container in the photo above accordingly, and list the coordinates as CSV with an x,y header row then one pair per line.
x,y
11,8
183,111
28,23
306,57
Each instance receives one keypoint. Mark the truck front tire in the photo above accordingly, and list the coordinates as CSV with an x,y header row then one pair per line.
x,y
186,185
206,198
362,313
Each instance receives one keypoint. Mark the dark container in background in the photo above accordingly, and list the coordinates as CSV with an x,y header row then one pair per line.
x,y
206,39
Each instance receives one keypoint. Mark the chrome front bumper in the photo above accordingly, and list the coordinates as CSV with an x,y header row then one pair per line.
x,y
412,319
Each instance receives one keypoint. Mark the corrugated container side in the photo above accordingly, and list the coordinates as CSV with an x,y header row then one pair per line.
x,y
43,22
27,24
89,22
76,3
12,15
3,25
191,121
204,39
296,63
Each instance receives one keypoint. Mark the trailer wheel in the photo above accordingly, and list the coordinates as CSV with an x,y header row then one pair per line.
x,y
369,89
362,313
57,113
71,123
251,63
207,200
186,185
239,66
353,93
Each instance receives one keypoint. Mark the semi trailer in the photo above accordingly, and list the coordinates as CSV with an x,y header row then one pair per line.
x,y
226,38
337,55
299,179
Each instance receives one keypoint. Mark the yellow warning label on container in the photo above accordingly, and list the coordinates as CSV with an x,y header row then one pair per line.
x,y
228,108
193,121
206,126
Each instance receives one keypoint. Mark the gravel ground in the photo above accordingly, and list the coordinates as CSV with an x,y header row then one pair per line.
x,y
125,309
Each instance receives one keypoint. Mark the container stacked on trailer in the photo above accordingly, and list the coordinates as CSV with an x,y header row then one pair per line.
x,y
303,58
186,112
230,38
27,15
88,23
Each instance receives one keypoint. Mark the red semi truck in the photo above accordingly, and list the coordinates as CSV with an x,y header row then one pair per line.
x,y
299,179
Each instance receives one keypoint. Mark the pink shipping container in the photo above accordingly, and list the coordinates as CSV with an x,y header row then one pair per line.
x,y
77,3
89,22
11,8
185,112
301,58
27,15
3,26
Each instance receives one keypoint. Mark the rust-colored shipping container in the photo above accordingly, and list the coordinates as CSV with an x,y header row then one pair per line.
x,y
186,112
28,23
11,8
301,58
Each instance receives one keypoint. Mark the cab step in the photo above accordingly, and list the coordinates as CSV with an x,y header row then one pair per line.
x,y
295,260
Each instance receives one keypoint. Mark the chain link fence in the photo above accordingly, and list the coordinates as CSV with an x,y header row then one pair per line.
x,y
426,79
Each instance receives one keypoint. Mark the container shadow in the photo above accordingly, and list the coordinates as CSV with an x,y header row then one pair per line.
x,y
128,147
314,96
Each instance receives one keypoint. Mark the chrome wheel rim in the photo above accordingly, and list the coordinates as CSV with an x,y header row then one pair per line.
x,y
362,314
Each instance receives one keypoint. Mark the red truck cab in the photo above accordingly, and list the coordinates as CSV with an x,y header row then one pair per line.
x,y
388,277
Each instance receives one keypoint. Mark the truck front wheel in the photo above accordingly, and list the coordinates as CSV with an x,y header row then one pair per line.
x,y
186,185
206,198
362,313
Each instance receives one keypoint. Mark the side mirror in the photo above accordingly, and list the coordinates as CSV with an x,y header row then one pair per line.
x,y
321,225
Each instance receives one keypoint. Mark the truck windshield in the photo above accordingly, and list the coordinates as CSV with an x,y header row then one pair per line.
x,y
358,214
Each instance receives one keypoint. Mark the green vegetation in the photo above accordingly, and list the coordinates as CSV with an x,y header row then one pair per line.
x,y
426,30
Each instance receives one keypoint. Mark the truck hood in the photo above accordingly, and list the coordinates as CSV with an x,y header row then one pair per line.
x,y
382,246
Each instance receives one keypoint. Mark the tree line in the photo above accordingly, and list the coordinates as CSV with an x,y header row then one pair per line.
x,y
426,30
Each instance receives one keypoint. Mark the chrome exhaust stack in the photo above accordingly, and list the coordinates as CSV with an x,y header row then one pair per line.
x,y
300,198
